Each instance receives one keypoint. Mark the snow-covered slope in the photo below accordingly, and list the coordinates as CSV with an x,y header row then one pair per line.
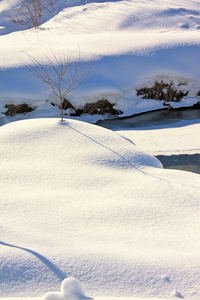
x,y
79,200
132,43
179,138
95,298
105,28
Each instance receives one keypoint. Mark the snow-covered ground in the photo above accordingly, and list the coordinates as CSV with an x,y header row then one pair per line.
x,y
95,298
82,201
179,138
79,200
133,44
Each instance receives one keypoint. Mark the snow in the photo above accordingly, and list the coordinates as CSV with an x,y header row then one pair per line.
x,y
107,28
78,200
96,298
176,293
85,202
71,288
131,42
178,138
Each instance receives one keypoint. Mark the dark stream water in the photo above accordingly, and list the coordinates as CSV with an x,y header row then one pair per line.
x,y
162,119
159,118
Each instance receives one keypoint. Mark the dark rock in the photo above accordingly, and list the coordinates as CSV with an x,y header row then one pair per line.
x,y
67,105
73,111
79,111
17,109
161,91
197,105
100,107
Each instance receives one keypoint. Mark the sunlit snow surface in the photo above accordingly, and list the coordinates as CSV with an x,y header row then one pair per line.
x,y
178,138
104,28
71,289
131,42
80,201
95,298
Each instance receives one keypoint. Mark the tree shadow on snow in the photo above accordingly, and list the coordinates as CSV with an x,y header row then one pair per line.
x,y
42,258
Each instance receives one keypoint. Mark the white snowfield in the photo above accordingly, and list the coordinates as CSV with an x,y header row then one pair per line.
x,y
95,298
132,43
103,28
80,201
180,138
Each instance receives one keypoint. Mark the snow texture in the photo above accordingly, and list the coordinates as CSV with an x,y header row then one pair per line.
x,y
132,43
71,289
80,201
178,138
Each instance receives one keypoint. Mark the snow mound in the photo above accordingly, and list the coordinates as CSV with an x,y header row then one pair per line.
x,y
80,201
77,141
71,289
176,293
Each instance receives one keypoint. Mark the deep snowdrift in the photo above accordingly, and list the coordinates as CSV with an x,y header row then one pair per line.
x,y
78,200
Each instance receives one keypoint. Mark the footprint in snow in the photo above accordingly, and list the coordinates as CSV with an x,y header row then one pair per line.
x,y
166,278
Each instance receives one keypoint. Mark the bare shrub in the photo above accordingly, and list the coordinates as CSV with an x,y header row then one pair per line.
x,y
62,75
17,109
29,12
162,91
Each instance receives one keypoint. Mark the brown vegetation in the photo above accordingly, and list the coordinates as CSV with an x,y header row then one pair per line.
x,y
17,109
161,91
100,107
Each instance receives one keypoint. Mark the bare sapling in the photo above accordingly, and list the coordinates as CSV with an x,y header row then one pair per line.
x,y
29,12
61,76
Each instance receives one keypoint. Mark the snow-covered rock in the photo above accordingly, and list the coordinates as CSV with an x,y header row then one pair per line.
x,y
71,289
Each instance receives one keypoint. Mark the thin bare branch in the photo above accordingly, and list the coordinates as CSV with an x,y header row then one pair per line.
x,y
62,76
29,12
